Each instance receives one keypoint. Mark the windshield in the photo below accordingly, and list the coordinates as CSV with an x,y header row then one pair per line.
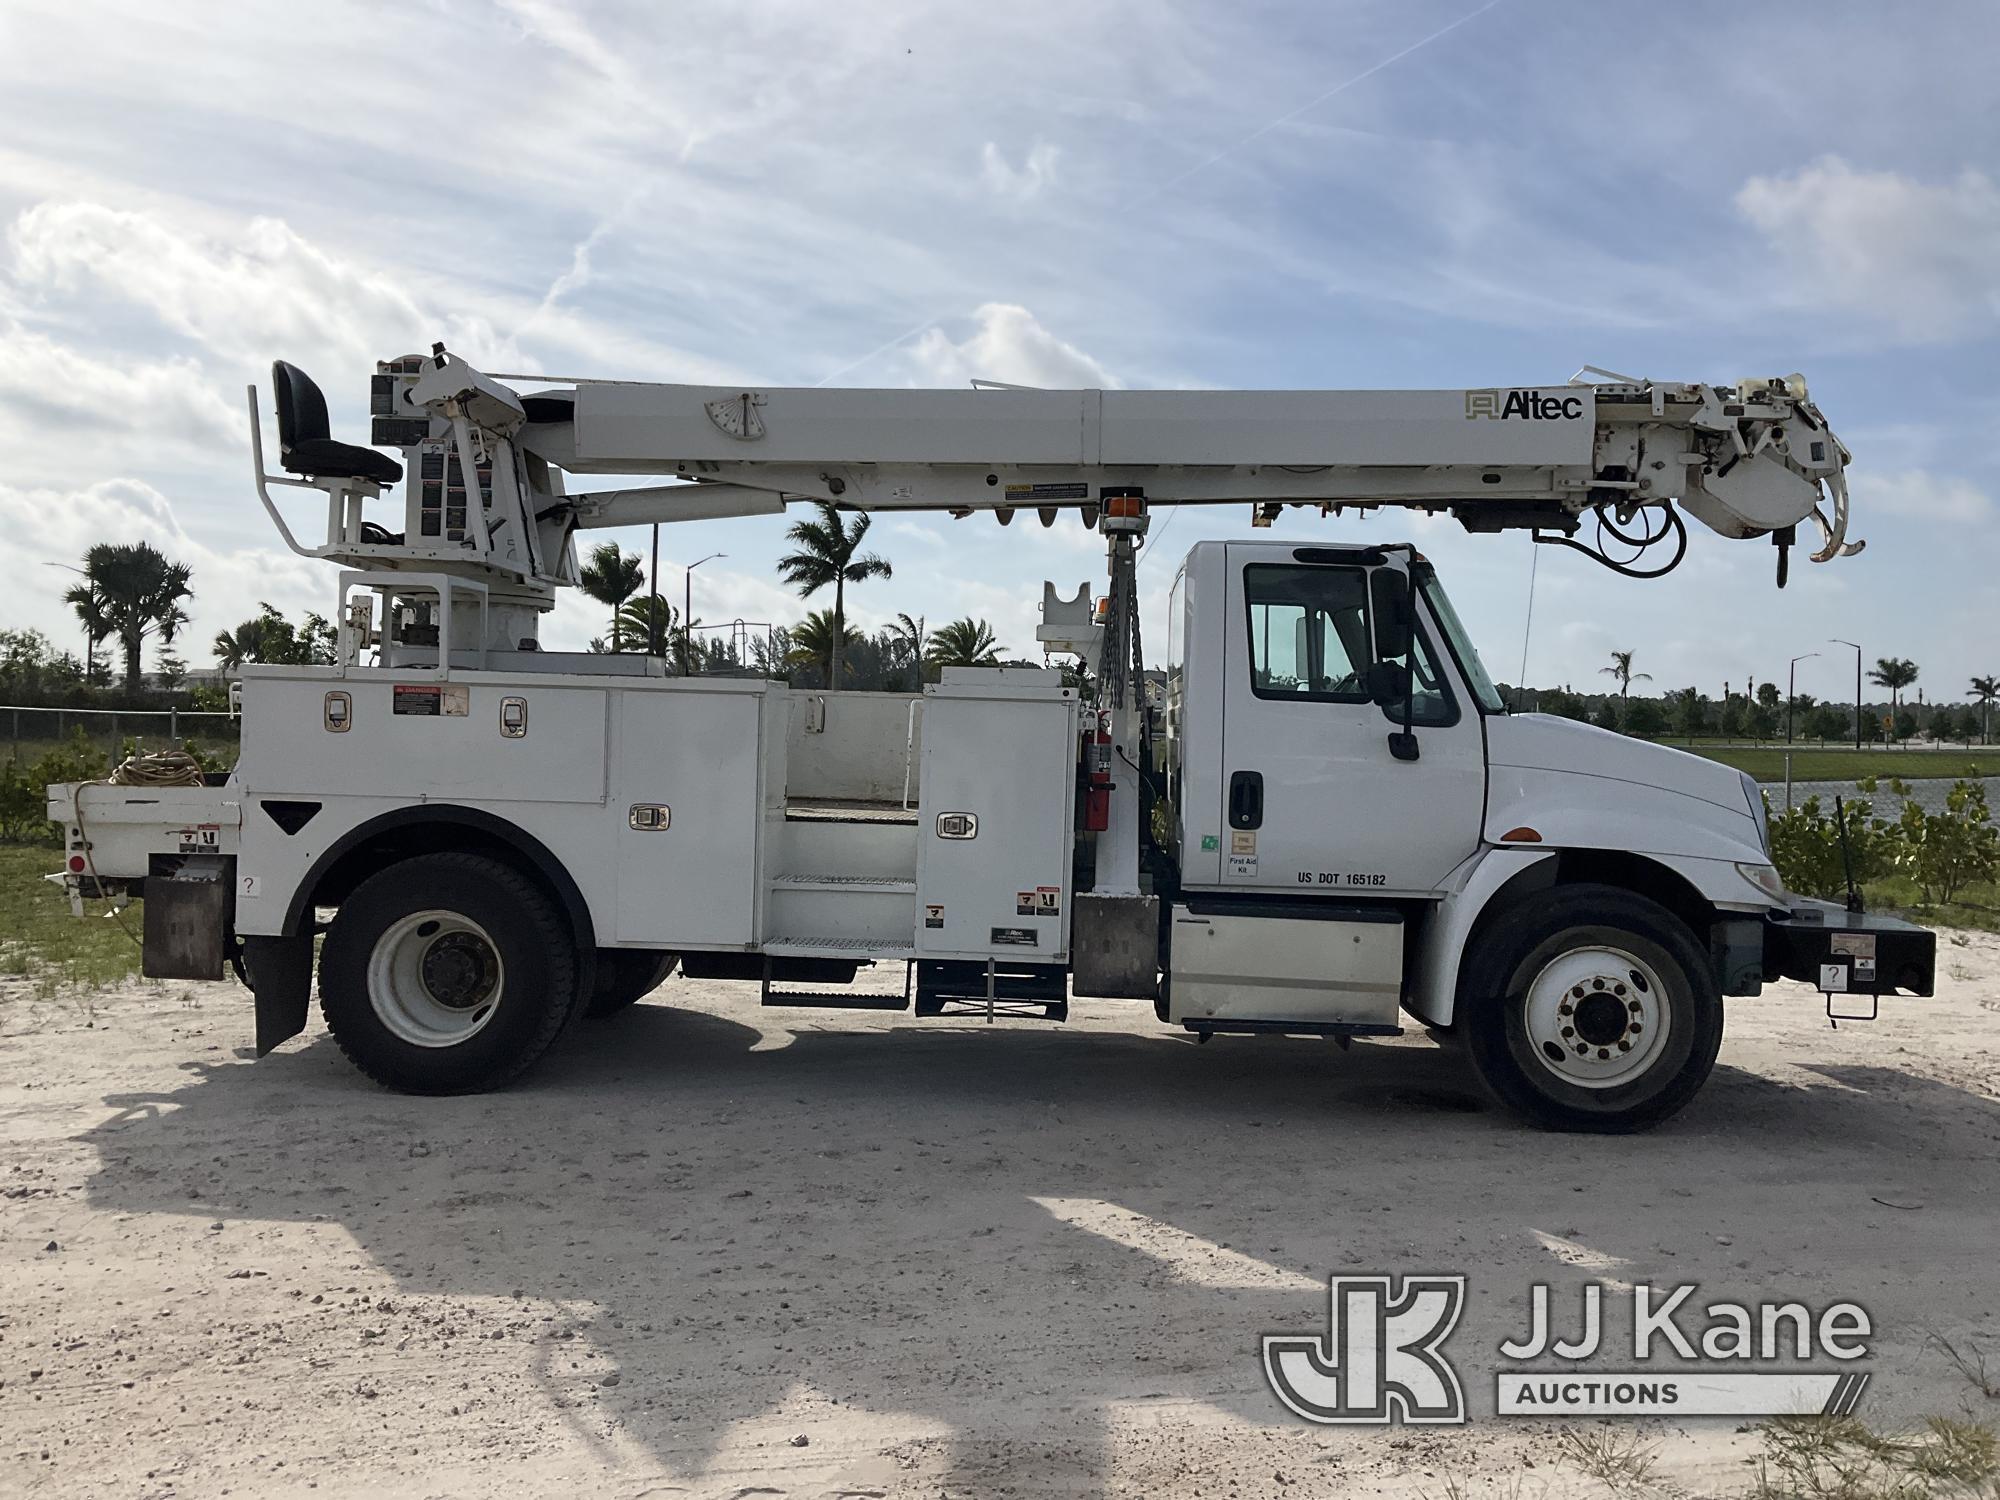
x,y
1483,691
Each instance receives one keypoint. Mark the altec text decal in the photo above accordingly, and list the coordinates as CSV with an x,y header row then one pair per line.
x,y
1524,406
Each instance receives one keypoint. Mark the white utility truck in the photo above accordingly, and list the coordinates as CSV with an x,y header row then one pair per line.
x,y
1325,819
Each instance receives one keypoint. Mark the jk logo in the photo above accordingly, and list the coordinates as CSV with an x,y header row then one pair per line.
x,y
1379,1361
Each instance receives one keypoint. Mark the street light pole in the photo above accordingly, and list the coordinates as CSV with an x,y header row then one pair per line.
x,y
653,608
1837,641
1792,692
687,611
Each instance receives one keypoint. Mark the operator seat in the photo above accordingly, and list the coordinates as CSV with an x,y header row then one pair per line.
x,y
305,444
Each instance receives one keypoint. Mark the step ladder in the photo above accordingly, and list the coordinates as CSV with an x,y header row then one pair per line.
x,y
848,999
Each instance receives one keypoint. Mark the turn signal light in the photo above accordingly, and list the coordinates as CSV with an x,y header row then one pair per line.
x,y
1522,835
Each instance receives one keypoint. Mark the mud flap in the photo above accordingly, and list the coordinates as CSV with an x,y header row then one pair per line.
x,y
280,971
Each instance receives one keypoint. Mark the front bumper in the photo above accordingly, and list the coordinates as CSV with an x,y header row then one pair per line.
x,y
1843,952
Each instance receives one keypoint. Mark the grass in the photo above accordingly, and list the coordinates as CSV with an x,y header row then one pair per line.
x,y
1976,907
1798,1458
1811,763
1842,1458
41,941
1614,1455
1970,1361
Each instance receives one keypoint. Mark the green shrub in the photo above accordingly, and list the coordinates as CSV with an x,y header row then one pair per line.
x,y
1943,852
1940,852
24,787
1806,846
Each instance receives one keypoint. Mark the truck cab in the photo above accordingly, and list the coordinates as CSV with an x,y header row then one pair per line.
x,y
1362,829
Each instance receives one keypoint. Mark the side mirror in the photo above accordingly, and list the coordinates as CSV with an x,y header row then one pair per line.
x,y
1388,683
1389,598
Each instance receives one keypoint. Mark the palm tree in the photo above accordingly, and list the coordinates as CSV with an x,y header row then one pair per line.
x,y
830,552
1621,668
910,636
89,606
1800,707
811,643
908,640
687,645
243,644
1984,691
611,577
1894,673
138,593
639,619
964,643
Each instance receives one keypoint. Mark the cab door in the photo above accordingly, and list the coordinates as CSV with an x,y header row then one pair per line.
x,y
1315,797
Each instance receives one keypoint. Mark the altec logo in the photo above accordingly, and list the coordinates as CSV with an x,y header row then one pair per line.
x,y
1526,406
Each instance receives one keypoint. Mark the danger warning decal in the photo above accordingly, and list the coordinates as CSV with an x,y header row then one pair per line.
x,y
1042,901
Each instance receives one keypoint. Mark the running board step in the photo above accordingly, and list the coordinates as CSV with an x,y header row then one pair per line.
x,y
835,999
866,885
836,947
1204,1028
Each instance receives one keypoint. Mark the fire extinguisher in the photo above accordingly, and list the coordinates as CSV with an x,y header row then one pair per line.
x,y
1097,787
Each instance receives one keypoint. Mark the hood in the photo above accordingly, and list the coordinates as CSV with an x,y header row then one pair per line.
x,y
1543,742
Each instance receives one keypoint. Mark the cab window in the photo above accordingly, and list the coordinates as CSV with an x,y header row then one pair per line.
x,y
1311,641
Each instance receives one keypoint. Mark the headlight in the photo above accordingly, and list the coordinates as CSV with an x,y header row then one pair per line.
x,y
1765,878
1760,811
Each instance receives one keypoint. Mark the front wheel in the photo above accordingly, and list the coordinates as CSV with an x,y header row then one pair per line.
x,y
447,974
1587,1007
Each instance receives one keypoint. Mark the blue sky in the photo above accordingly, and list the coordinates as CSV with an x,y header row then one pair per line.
x,y
1142,193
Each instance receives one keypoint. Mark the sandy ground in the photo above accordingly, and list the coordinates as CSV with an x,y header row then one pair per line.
x,y
711,1250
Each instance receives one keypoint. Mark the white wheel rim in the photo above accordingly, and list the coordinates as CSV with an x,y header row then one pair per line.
x,y
1597,1017
435,979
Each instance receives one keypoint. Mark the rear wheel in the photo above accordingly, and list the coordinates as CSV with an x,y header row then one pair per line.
x,y
1587,1007
625,976
447,974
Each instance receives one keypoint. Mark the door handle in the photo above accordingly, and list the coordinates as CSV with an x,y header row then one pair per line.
x,y
1246,799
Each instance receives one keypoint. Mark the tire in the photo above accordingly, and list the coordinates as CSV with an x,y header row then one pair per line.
x,y
1590,1008
625,976
447,974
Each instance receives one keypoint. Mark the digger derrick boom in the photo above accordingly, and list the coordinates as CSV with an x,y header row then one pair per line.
x,y
1748,460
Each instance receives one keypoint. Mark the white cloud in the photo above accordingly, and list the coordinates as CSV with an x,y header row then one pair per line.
x,y
1917,256
1003,180
267,290
1009,345
47,387
57,526
1919,493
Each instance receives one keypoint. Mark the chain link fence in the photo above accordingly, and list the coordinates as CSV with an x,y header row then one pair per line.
x,y
27,734
1927,791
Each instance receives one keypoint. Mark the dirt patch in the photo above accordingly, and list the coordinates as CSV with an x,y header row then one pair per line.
x,y
708,1249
